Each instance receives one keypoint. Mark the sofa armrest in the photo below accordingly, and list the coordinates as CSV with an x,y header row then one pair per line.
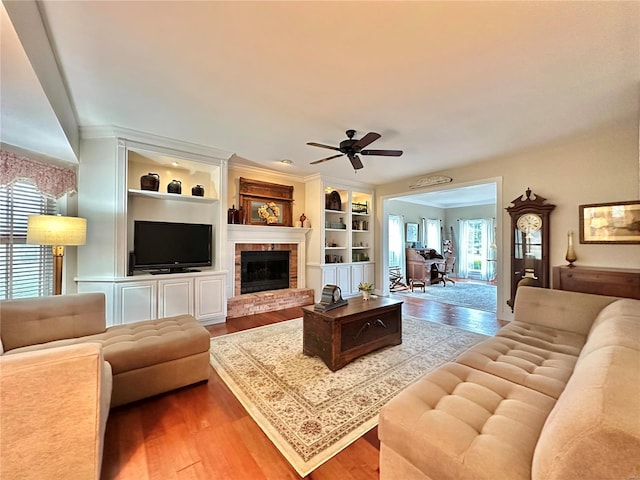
x,y
31,321
54,405
559,309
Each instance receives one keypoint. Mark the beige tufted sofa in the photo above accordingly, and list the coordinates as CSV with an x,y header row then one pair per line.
x,y
555,395
62,369
146,358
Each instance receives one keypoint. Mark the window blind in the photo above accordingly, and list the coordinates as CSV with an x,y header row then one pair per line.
x,y
25,270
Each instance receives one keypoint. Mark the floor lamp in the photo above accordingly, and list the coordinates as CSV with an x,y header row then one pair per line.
x,y
57,231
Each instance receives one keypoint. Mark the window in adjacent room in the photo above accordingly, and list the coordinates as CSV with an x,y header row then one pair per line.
x,y
25,270
431,229
477,237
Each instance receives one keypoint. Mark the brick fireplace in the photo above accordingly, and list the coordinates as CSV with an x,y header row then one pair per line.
x,y
292,248
254,238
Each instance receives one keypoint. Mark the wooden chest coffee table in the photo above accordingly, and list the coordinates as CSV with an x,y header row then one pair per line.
x,y
343,334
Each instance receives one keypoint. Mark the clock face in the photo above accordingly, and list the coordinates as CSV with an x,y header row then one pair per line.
x,y
337,296
529,222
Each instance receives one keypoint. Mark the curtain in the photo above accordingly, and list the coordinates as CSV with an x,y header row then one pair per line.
x,y
396,241
431,234
489,249
51,180
463,249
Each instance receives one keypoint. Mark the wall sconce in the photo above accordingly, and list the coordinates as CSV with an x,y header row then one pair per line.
x,y
57,231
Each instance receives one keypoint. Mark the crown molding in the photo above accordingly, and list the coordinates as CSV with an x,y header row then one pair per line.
x,y
265,171
152,140
339,181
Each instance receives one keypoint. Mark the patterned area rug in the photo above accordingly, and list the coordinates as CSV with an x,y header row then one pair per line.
x,y
465,294
311,413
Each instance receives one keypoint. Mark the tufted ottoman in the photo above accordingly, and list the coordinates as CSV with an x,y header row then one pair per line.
x,y
155,356
147,357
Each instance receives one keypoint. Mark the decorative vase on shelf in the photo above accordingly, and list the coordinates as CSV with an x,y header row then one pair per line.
x,y
175,187
571,254
150,181
366,295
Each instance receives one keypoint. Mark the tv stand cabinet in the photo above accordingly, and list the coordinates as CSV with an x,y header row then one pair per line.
x,y
147,296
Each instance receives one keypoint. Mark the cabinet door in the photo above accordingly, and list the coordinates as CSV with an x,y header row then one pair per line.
x,y
137,301
337,275
329,276
210,298
357,276
343,278
369,273
175,297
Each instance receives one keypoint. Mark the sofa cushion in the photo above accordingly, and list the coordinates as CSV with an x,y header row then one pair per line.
x,y
461,423
542,370
55,318
551,339
141,344
594,430
559,309
617,324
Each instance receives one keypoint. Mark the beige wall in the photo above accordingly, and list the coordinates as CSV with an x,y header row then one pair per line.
x,y
598,166
266,176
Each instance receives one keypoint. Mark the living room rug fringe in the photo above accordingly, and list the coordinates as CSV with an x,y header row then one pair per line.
x,y
310,413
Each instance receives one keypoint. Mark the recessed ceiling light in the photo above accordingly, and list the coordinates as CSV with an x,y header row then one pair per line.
x,y
286,161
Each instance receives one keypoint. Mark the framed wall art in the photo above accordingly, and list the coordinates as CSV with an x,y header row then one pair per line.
x,y
615,222
412,232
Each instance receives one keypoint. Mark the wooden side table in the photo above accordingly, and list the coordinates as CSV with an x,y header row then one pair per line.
x,y
616,282
346,333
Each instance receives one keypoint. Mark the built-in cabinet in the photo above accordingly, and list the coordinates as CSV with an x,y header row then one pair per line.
x,y
111,198
340,246
145,297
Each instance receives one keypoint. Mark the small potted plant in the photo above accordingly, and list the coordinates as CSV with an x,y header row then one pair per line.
x,y
366,289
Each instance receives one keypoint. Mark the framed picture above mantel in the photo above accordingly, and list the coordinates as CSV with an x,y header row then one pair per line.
x,y
614,222
263,199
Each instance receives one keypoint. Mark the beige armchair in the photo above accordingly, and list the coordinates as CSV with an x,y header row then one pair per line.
x,y
54,405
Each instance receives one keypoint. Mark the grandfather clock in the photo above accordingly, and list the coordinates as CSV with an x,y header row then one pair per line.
x,y
529,242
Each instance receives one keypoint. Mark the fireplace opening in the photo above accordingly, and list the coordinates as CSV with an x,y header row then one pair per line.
x,y
264,270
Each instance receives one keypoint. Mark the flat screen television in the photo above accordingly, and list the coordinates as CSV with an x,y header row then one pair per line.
x,y
169,247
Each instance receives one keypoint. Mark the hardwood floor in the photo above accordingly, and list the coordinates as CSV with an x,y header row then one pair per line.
x,y
203,432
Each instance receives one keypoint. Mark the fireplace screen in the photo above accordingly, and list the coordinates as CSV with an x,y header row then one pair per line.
x,y
264,270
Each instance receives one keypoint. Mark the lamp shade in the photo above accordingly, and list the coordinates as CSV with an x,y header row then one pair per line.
x,y
56,230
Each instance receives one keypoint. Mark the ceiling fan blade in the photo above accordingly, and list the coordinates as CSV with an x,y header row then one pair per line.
x,y
355,161
385,153
328,158
314,144
366,140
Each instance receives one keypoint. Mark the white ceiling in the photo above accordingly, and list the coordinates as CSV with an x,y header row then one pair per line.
x,y
447,82
484,194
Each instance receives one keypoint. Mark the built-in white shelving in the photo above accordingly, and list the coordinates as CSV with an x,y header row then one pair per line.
x,y
340,251
170,196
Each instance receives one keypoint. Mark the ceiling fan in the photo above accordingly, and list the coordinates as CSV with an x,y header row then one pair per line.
x,y
351,148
